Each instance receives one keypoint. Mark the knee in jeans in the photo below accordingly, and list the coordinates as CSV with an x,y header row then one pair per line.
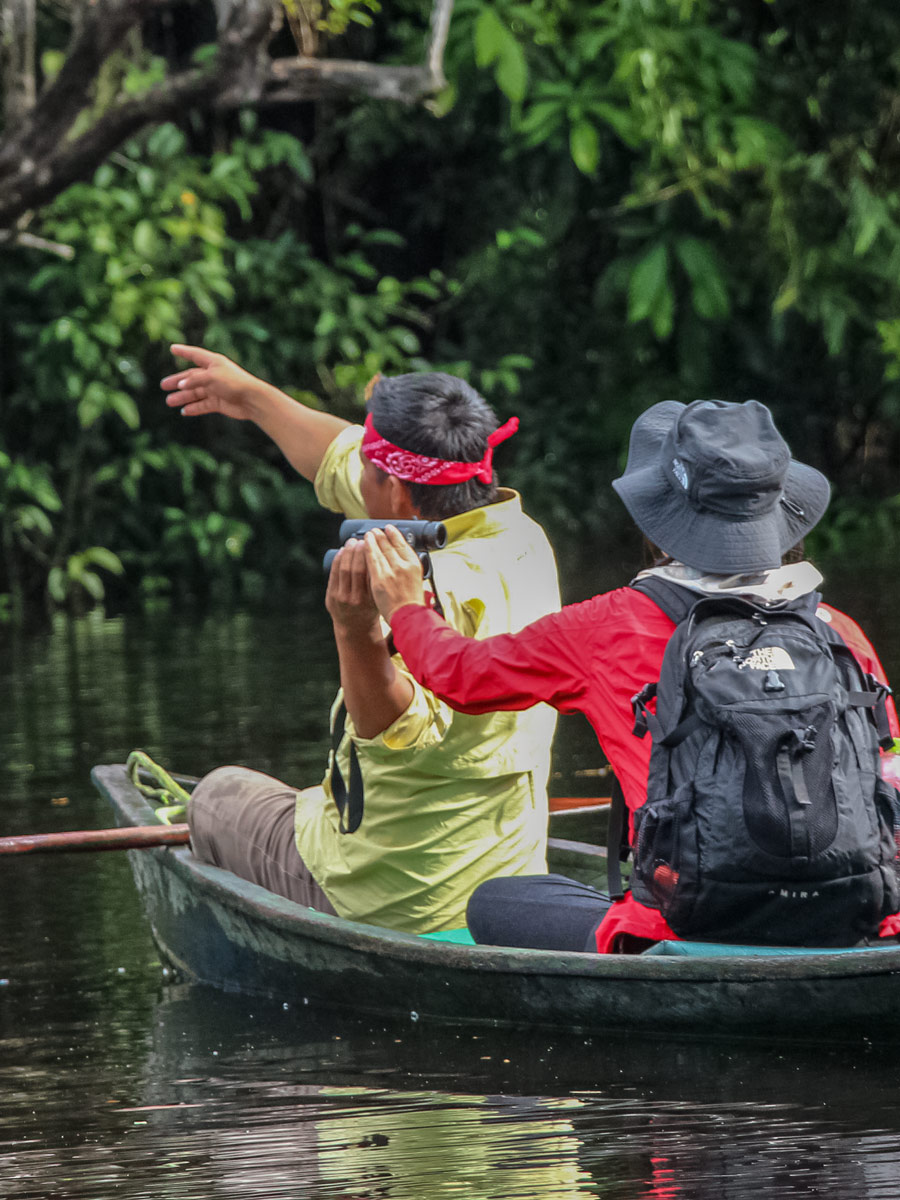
x,y
485,897
218,779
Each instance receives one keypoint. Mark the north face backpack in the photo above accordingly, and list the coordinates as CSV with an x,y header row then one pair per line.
x,y
767,820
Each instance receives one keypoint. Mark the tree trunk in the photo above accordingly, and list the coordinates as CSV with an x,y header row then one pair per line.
x,y
17,59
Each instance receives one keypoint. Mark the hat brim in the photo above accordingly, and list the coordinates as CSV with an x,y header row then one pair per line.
x,y
706,540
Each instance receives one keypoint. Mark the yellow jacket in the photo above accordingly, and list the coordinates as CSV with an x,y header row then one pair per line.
x,y
450,799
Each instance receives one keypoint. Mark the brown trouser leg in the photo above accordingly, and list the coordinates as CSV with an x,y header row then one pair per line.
x,y
243,821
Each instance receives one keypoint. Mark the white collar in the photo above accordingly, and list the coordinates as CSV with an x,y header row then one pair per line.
x,y
779,583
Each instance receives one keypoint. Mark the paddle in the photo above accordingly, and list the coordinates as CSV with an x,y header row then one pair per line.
x,y
131,837
144,837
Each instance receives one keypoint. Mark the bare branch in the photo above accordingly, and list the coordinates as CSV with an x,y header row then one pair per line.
x,y
104,25
441,13
307,78
40,158
38,181
294,79
33,242
33,179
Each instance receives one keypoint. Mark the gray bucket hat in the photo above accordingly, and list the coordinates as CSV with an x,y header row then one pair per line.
x,y
714,485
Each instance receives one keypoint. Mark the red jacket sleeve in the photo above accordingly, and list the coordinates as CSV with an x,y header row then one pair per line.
x,y
509,672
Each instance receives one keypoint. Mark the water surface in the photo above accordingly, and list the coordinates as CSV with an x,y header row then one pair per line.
x,y
118,1080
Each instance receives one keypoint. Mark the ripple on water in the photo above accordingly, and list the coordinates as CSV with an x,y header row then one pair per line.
x,y
113,1084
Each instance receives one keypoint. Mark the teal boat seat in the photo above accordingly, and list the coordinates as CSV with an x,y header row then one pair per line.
x,y
462,937
459,937
721,950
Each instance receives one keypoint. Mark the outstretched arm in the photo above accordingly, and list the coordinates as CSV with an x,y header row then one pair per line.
x,y
215,384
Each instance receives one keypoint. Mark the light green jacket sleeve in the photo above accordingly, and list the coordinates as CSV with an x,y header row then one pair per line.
x,y
338,477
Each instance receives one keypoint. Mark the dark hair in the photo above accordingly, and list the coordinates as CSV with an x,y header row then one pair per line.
x,y
441,416
654,557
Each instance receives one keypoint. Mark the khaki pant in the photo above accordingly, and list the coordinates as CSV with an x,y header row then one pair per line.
x,y
243,821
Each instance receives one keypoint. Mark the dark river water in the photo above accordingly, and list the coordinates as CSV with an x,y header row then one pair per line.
x,y
118,1080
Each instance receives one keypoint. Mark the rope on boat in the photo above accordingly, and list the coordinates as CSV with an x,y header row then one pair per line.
x,y
170,797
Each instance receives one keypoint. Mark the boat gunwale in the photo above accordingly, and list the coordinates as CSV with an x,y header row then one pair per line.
x,y
291,918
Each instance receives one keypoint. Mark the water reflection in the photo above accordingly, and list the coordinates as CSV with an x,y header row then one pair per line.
x,y
221,1097
118,1082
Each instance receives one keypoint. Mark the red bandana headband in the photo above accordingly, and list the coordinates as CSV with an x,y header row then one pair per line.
x,y
419,468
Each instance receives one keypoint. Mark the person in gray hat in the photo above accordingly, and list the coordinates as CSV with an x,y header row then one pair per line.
x,y
713,486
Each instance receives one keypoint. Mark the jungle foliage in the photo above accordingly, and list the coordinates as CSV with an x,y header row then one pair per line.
x,y
609,204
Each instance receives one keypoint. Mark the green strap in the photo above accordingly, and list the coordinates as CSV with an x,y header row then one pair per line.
x,y
171,797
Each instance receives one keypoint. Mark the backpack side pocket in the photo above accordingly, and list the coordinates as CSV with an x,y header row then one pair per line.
x,y
887,802
665,853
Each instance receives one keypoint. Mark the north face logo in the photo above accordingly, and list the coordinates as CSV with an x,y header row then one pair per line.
x,y
768,658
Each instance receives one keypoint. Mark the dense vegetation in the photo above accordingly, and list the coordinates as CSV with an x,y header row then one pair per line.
x,y
610,204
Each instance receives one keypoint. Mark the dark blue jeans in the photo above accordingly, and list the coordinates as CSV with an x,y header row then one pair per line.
x,y
537,912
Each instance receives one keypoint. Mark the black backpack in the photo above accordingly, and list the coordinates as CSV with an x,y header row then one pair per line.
x,y
767,820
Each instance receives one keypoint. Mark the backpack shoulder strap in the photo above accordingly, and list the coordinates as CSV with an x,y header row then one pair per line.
x,y
616,841
675,600
864,690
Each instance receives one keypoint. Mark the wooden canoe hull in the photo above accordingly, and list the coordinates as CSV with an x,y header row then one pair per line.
x,y
223,931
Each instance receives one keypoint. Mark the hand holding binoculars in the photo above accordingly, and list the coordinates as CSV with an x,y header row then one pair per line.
x,y
421,535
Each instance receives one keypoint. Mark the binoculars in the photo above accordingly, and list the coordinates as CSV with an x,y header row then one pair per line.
x,y
421,535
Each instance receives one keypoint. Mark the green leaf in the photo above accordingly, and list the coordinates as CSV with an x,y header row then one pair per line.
x,y
621,120
384,237
662,318
34,519
57,585
648,281
541,119
125,407
205,54
709,290
90,409
490,37
92,584
584,144
145,240
101,557
166,141
758,143
146,181
512,71
51,63
406,340
834,326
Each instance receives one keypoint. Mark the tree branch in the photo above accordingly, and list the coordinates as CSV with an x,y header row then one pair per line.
x,y
293,79
17,57
39,180
104,26
441,13
40,158
23,238
34,178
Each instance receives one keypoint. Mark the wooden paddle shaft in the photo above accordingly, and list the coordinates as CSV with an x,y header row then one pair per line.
x,y
131,837
142,837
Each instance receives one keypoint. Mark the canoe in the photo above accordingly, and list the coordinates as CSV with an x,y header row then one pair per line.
x,y
223,931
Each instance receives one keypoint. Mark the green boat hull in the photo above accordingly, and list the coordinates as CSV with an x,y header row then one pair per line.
x,y
220,930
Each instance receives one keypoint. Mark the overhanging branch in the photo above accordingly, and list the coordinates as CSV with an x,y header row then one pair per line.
x,y
40,158
102,29
294,79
